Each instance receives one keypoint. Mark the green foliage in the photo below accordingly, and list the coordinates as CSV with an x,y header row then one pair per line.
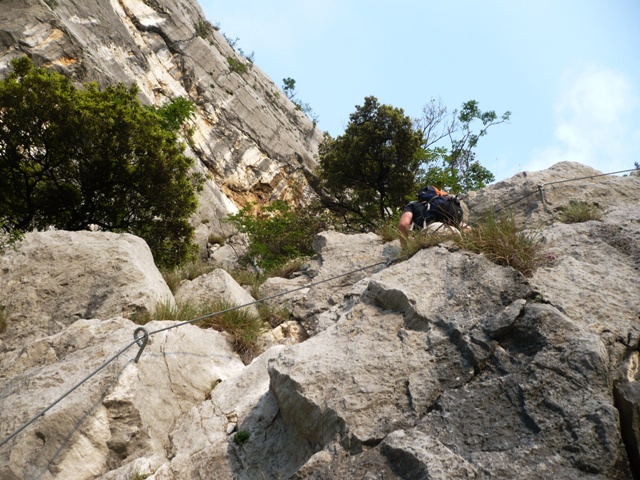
x,y
578,212
203,28
176,113
241,437
388,229
237,66
456,168
503,242
277,233
366,173
72,158
53,4
289,87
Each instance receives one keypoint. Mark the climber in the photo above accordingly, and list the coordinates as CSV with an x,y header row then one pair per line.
x,y
435,209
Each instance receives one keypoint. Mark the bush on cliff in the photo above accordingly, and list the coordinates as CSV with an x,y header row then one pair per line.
x,y
74,159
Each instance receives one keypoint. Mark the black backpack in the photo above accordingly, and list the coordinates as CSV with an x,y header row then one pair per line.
x,y
439,206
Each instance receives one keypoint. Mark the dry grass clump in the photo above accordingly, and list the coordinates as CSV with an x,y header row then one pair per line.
x,y
424,239
503,242
189,271
578,212
388,230
3,318
499,238
221,315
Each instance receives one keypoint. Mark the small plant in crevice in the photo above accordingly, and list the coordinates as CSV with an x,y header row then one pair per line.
x,y
3,318
426,238
243,326
578,212
241,437
214,384
237,66
214,238
506,243
189,271
203,28
52,4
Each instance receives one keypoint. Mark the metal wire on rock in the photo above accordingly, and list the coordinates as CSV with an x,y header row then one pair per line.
x,y
141,340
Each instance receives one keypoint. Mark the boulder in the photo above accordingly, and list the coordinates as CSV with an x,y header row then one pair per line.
x,y
216,285
54,278
123,413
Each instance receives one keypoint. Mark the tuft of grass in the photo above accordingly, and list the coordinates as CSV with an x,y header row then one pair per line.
x,y
503,242
388,230
203,28
424,239
237,66
215,238
578,212
274,315
3,318
248,278
243,326
189,271
287,269
241,437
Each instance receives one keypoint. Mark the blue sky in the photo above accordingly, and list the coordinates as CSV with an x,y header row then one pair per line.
x,y
568,70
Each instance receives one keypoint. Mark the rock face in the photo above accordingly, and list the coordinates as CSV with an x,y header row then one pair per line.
x,y
249,139
441,366
56,278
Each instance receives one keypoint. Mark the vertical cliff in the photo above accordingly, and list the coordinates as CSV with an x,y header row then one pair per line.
x,y
248,138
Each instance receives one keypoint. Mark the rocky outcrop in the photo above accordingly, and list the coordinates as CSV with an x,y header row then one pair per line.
x,y
538,198
249,139
441,366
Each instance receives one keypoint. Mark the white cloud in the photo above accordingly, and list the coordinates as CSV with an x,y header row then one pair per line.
x,y
597,119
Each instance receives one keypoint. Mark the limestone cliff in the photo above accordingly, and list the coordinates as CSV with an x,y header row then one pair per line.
x,y
249,138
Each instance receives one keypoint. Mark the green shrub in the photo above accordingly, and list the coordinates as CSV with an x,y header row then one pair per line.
x,y
503,242
578,212
237,66
241,437
203,28
103,159
277,233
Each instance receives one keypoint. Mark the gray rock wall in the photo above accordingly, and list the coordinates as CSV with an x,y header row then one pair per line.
x,y
249,139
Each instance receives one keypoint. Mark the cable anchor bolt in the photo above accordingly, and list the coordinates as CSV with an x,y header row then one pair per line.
x,y
141,341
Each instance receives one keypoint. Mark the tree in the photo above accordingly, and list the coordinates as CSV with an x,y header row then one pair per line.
x,y
456,169
366,173
74,158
